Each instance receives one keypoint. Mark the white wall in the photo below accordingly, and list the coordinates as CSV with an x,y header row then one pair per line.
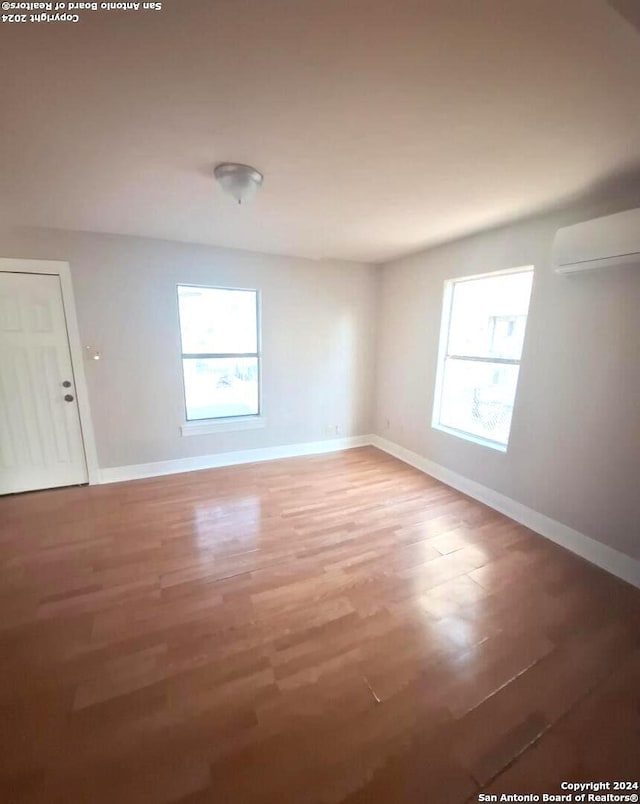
x,y
338,335
318,321
574,451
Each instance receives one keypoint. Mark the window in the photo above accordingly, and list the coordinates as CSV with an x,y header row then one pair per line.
x,y
483,324
220,352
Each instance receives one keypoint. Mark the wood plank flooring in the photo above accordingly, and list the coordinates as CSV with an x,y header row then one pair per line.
x,y
316,630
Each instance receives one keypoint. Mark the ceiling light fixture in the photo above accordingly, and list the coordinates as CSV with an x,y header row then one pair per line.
x,y
239,181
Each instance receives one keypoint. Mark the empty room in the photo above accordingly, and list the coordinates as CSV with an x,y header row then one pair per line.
x,y
320,401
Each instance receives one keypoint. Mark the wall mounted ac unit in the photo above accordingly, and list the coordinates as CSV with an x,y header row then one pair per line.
x,y
600,243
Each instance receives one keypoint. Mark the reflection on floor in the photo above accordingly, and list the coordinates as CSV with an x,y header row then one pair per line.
x,y
329,629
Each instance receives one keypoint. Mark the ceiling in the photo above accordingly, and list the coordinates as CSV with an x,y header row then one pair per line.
x,y
382,126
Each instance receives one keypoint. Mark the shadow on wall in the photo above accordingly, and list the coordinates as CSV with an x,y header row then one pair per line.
x,y
346,349
614,193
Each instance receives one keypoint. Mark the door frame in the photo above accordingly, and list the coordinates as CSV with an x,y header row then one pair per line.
x,y
63,271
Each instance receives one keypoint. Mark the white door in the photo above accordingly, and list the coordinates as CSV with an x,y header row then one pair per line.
x,y
40,436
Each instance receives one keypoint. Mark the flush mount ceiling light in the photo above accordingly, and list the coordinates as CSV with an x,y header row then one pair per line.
x,y
239,181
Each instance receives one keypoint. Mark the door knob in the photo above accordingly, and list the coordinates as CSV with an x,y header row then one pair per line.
x,y
68,398
66,384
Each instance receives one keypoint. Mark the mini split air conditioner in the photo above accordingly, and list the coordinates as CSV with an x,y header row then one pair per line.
x,y
601,243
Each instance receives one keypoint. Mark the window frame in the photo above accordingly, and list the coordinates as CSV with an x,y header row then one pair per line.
x,y
443,356
243,421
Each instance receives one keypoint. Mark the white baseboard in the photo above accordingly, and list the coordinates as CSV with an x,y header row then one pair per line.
x,y
115,474
613,561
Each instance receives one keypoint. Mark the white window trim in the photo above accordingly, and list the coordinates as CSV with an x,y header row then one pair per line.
x,y
229,423
475,439
233,423
447,307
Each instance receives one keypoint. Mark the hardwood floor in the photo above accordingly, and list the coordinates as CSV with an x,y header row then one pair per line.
x,y
329,629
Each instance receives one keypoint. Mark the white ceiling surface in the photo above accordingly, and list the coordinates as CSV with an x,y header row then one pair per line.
x,y
382,126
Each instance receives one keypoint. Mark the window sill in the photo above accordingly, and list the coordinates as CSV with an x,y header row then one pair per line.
x,y
483,442
223,425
